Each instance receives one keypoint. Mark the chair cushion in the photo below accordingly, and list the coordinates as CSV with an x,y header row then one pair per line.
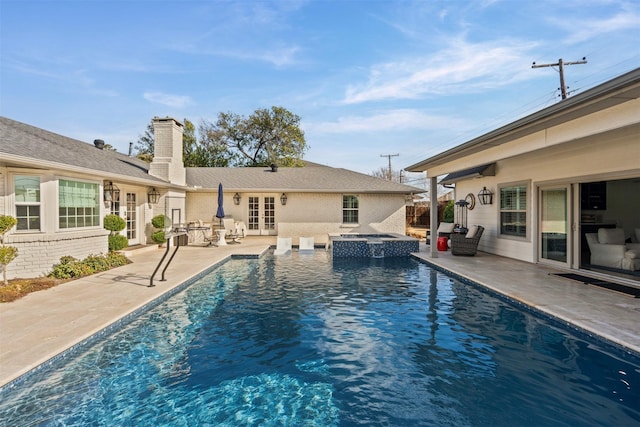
x,y
632,253
611,236
473,230
445,227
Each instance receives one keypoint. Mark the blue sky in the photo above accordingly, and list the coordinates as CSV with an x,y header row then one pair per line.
x,y
367,78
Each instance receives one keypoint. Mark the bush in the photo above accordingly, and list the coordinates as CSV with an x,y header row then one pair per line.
x,y
448,215
115,259
117,242
96,263
158,221
114,223
72,268
158,237
6,223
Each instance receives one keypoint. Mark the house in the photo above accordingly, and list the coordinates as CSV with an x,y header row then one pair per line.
x,y
556,178
60,189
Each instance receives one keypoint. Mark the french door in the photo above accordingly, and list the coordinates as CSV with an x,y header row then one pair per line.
x,y
262,215
132,219
555,236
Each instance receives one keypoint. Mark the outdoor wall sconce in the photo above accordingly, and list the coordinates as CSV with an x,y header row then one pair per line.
x,y
111,193
283,199
236,199
485,196
153,197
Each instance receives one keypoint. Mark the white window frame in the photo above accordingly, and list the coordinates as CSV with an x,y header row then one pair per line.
x,y
517,210
350,209
18,203
97,205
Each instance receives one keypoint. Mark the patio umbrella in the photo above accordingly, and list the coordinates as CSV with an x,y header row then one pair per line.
x,y
220,212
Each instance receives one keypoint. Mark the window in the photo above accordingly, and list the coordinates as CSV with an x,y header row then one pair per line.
x,y
78,204
27,190
513,210
350,209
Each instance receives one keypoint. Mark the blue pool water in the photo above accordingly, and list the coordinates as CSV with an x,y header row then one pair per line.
x,y
310,341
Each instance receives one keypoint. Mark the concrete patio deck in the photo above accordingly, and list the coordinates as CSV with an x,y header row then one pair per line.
x,y
44,324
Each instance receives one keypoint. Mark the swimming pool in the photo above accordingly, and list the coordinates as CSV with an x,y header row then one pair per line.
x,y
306,340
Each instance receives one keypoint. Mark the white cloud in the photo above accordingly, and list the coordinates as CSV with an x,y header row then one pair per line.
x,y
590,29
175,101
461,67
399,119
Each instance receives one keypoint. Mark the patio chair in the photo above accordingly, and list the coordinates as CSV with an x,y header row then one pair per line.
x,y
306,245
283,246
233,230
444,230
466,244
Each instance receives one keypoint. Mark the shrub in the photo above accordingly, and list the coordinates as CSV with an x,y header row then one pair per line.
x,y
115,259
448,215
70,268
96,263
117,242
6,223
158,221
114,223
7,254
158,237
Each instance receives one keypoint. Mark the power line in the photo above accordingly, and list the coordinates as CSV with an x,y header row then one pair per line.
x,y
560,64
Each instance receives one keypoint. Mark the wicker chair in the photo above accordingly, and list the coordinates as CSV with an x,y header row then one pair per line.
x,y
463,245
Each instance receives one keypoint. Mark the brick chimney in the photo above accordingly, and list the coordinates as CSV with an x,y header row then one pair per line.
x,y
167,161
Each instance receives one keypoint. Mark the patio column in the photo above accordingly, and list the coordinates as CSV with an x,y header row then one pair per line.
x,y
433,193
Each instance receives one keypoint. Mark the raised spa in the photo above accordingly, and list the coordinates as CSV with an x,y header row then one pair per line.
x,y
372,245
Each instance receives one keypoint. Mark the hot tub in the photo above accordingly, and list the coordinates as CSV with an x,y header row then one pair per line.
x,y
372,245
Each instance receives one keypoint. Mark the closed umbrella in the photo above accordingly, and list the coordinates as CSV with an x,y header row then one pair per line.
x,y
220,212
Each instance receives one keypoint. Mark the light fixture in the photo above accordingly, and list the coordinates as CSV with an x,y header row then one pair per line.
x,y
236,199
461,216
111,193
485,196
283,199
153,196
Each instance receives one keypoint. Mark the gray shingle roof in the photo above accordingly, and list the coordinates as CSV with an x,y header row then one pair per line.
x,y
311,178
29,142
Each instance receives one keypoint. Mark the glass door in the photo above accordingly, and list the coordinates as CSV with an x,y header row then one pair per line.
x,y
132,219
554,239
262,215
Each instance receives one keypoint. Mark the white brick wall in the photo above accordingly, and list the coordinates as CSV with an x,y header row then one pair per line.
x,y
38,253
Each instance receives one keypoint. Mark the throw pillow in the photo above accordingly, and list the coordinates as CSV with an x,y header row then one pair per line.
x,y
472,232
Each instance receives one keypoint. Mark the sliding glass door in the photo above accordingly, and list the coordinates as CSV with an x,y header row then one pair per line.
x,y
554,239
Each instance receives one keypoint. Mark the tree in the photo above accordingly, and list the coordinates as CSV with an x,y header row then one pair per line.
x,y
384,174
7,253
268,136
144,146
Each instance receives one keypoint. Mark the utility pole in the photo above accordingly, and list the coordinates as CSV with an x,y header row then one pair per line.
x,y
560,65
389,156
